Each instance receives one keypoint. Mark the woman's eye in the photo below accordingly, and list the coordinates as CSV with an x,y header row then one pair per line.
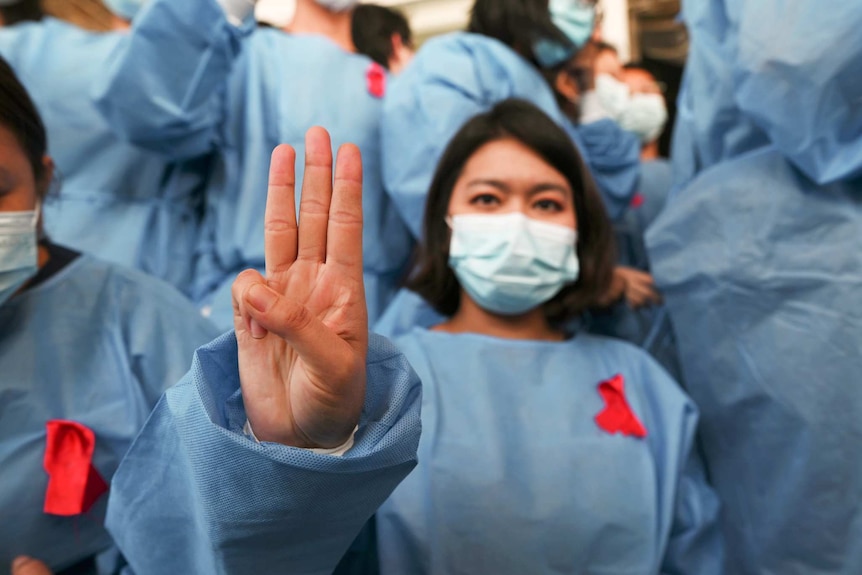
x,y
485,200
549,206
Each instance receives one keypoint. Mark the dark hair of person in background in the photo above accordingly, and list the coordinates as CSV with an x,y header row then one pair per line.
x,y
373,27
18,114
516,23
434,280
669,75
23,11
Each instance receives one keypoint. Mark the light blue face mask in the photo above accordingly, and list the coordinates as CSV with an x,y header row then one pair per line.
x,y
18,251
126,9
510,264
575,19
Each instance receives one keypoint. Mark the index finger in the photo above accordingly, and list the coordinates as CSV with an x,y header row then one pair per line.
x,y
344,235
280,229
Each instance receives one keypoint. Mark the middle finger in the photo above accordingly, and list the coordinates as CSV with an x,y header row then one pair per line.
x,y
316,195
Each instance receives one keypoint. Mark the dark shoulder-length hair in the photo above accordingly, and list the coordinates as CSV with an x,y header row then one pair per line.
x,y
433,279
518,24
18,114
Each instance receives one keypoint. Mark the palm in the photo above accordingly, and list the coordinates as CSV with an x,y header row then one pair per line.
x,y
302,356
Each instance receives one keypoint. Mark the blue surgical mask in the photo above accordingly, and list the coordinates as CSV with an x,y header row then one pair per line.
x,y
575,19
18,251
126,9
510,264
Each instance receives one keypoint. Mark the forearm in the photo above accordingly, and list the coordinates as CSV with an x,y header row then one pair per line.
x,y
196,495
165,87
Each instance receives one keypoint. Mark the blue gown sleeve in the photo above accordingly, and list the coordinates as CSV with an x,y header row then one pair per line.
x,y
793,71
424,108
165,88
613,157
194,495
695,546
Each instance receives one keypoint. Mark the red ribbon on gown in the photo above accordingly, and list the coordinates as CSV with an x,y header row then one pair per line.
x,y
375,78
74,485
617,416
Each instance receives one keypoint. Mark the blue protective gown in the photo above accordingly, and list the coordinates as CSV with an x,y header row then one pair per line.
x,y
515,475
453,78
194,495
115,200
189,82
758,256
96,344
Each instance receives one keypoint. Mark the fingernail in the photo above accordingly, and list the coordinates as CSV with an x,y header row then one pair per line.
x,y
260,297
20,561
257,332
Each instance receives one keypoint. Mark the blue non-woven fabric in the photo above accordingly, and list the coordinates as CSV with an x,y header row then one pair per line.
x,y
457,76
188,82
516,475
96,344
115,200
757,254
195,495
759,269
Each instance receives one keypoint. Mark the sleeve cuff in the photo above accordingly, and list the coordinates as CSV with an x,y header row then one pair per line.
x,y
237,10
335,451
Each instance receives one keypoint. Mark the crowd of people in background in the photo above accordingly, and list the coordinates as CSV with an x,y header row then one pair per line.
x,y
311,297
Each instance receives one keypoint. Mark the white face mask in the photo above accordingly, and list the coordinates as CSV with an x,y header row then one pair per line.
x,y
646,116
643,114
337,5
18,251
509,263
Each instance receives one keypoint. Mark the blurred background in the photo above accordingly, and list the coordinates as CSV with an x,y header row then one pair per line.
x,y
644,31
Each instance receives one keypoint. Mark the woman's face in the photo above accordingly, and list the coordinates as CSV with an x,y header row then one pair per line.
x,y
18,185
506,176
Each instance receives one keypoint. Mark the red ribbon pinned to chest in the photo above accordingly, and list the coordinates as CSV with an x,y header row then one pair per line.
x,y
74,485
375,78
617,416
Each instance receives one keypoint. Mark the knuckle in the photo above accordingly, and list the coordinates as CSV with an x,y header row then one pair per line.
x,y
313,205
279,225
296,317
346,217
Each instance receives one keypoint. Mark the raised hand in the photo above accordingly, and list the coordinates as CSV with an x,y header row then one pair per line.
x,y
303,329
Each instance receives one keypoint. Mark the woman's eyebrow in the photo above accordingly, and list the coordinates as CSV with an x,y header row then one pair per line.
x,y
500,185
549,187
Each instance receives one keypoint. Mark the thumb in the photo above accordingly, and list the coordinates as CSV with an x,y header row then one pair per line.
x,y
28,566
290,321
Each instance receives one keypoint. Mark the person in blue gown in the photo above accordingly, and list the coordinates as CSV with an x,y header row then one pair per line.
x,y
82,340
593,86
758,255
522,469
195,79
509,46
290,429
120,202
